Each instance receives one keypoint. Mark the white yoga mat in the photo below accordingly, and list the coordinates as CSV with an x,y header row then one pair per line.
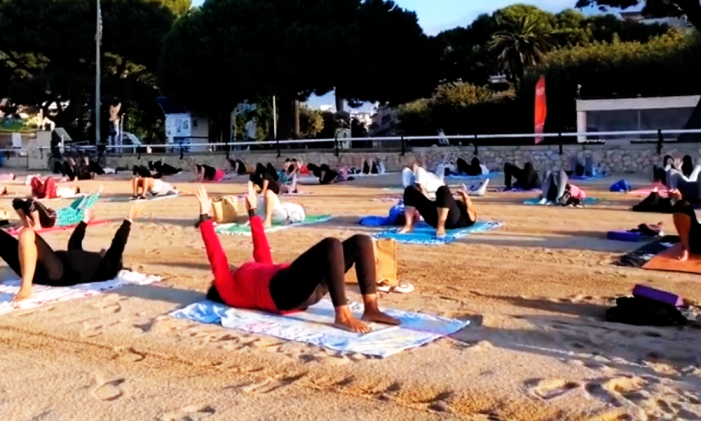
x,y
43,295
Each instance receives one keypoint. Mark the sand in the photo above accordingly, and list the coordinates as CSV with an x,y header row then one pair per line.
x,y
534,290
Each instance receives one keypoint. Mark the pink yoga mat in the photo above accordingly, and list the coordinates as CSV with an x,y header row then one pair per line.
x,y
661,189
15,231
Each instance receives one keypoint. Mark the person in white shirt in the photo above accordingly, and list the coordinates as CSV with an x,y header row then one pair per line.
x,y
428,183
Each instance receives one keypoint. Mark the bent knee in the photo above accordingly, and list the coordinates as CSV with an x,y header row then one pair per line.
x,y
331,244
26,236
361,240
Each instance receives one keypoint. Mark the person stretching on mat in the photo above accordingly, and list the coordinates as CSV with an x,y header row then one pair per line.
x,y
526,178
443,213
237,166
33,260
207,173
689,186
269,188
163,168
153,186
42,217
687,225
428,183
283,288
48,189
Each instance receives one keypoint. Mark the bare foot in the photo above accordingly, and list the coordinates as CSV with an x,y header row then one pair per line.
x,y
684,256
267,224
440,232
352,324
405,230
379,317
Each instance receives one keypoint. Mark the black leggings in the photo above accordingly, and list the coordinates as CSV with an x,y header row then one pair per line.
x,y
527,178
262,174
49,268
429,209
321,269
47,217
241,169
473,168
325,174
95,168
144,172
166,169
67,170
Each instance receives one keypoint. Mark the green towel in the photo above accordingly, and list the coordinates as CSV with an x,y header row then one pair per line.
x,y
245,229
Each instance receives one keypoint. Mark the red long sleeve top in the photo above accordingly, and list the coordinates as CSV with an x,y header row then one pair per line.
x,y
247,286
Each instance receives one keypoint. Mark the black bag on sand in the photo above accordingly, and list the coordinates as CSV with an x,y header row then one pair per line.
x,y
641,311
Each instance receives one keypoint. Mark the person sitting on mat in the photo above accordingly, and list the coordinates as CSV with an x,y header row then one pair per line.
x,y
526,178
426,182
48,189
287,177
208,173
153,186
43,217
687,225
162,168
283,288
443,213
33,260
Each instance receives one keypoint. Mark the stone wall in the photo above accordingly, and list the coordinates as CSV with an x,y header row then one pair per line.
x,y
611,158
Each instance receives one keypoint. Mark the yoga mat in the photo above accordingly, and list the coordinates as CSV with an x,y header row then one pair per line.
x,y
245,229
74,196
425,234
16,230
152,198
370,175
535,201
471,177
638,257
315,326
644,192
587,177
513,190
667,261
42,295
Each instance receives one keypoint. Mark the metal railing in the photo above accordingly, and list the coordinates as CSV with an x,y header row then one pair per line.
x,y
344,144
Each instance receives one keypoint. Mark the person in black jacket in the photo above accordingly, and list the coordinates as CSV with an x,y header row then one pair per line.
x,y
33,260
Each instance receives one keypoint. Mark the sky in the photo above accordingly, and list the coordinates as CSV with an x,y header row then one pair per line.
x,y
438,15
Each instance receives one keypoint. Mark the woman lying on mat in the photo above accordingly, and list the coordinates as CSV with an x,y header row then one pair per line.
x,y
262,180
443,213
143,172
526,178
326,175
31,258
281,288
47,189
164,169
556,189
208,173
153,186
237,166
426,182
44,217
687,225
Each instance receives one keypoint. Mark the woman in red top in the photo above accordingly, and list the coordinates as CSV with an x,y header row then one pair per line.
x,y
295,286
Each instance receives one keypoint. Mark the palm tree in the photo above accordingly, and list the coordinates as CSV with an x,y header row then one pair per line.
x,y
522,45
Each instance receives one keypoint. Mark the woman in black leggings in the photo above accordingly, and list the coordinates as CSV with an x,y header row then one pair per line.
x,y
324,173
526,178
282,288
444,213
472,169
237,166
163,168
32,259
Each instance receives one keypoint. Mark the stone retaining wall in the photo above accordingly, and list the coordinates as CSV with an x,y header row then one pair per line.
x,y
611,158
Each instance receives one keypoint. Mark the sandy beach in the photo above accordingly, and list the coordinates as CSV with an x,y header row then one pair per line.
x,y
535,292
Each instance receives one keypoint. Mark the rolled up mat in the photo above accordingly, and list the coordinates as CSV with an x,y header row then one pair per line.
x,y
657,295
625,236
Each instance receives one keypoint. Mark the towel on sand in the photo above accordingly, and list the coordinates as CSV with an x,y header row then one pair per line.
x,y
245,229
42,295
315,326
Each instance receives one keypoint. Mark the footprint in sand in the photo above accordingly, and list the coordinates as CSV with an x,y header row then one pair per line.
x,y
129,354
550,388
109,391
189,413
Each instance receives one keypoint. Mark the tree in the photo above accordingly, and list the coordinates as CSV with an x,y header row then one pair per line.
x,y
311,122
522,45
653,8
48,46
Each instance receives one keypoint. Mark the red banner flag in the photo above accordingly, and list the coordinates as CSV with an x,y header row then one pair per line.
x,y
541,108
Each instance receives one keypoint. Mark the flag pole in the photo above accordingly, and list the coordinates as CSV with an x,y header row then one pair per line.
x,y
98,41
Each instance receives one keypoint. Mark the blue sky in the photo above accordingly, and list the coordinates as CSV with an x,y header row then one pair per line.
x,y
438,15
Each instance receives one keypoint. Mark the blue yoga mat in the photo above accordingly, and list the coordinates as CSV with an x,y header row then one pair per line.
x,y
536,201
472,177
425,234
315,326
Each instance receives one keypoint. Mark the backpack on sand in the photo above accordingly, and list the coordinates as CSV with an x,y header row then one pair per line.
x,y
641,311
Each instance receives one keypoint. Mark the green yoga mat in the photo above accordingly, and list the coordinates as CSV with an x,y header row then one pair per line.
x,y
245,229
